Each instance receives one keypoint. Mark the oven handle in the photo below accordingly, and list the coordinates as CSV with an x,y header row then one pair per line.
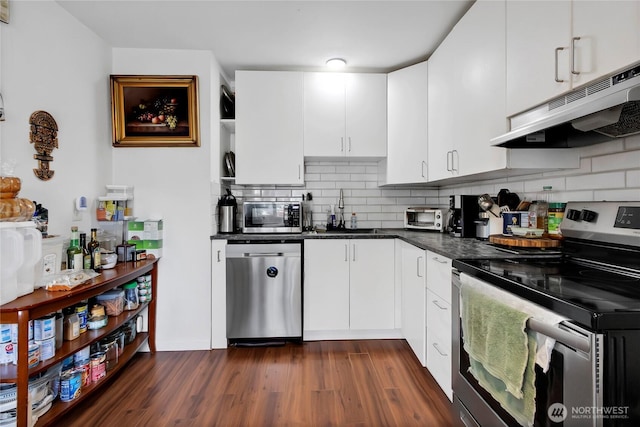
x,y
561,336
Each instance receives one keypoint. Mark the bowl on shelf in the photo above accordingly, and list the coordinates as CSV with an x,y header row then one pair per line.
x,y
108,260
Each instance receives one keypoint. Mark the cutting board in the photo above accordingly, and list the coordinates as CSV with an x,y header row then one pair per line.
x,y
524,242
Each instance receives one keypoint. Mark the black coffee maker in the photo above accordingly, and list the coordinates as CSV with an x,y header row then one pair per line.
x,y
463,212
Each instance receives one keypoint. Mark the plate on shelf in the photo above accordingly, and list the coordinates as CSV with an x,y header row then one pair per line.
x,y
230,163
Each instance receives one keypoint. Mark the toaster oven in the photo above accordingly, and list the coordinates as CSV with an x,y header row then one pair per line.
x,y
424,218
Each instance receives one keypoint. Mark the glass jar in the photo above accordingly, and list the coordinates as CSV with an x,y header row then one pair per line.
x,y
556,213
131,296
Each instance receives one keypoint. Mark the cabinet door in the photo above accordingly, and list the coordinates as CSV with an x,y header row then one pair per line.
x,y
480,91
439,275
366,115
324,114
326,285
407,125
269,127
531,52
441,107
414,299
218,294
609,37
372,284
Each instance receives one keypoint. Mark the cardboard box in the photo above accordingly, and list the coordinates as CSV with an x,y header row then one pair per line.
x,y
153,230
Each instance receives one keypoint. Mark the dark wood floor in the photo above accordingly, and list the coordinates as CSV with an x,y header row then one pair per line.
x,y
326,383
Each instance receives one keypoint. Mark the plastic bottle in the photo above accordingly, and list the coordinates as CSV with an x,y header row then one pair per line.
x,y
333,216
354,221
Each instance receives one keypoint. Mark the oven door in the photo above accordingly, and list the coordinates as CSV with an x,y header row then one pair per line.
x,y
565,395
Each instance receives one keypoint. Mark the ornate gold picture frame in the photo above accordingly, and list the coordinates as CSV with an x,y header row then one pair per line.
x,y
155,111
4,11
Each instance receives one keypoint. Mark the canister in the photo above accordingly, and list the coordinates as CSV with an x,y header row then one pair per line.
x,y
82,356
44,328
130,296
98,368
555,216
83,312
33,356
47,348
7,353
70,384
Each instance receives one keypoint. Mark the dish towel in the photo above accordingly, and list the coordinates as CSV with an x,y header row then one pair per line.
x,y
494,335
501,353
544,343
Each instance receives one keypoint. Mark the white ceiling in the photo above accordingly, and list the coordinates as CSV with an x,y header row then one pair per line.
x,y
375,36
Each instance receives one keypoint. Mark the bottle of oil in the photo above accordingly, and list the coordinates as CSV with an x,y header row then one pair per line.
x,y
94,250
86,256
74,253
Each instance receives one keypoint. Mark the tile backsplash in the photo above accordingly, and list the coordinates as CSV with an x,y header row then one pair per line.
x,y
609,171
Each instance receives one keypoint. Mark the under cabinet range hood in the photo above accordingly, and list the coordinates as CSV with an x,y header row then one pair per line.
x,y
604,110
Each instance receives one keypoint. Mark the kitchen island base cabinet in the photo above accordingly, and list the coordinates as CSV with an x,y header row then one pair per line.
x,y
349,288
41,303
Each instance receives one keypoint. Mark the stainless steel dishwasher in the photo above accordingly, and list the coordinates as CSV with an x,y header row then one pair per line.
x,y
264,292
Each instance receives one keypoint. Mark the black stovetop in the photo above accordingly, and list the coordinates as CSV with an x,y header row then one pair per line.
x,y
597,294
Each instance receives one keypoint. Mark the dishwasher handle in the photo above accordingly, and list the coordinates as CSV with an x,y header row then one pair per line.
x,y
263,254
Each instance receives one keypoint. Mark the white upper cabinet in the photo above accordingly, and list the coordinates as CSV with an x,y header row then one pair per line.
x,y
467,95
407,135
269,127
579,42
345,115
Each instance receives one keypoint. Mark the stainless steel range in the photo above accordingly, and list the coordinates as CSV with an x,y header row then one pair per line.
x,y
583,304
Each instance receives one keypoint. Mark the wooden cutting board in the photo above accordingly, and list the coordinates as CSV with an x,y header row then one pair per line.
x,y
524,242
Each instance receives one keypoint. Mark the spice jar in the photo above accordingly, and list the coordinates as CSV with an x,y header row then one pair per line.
x,y
130,296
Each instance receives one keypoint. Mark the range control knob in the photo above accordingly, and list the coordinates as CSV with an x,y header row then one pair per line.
x,y
573,215
588,216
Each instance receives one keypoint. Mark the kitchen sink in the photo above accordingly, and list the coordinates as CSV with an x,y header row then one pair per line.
x,y
354,231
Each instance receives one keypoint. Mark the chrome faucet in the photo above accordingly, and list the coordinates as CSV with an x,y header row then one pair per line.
x,y
341,207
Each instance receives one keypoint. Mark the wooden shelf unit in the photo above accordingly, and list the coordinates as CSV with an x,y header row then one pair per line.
x,y
41,302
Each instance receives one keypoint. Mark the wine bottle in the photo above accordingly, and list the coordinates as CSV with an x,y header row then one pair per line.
x,y
74,253
94,250
86,256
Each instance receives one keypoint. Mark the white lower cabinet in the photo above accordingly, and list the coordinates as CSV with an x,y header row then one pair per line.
x,y
349,284
218,294
413,272
439,320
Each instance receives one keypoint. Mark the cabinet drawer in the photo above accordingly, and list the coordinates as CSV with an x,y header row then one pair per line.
x,y
439,321
439,275
439,365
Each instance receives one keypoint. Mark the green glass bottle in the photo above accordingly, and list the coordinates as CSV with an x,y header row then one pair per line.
x,y
94,250
74,253
86,256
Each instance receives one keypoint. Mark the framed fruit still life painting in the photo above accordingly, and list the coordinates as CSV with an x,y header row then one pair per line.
x,y
155,111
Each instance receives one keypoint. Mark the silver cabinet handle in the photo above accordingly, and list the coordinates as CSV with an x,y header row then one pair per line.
x,y
349,144
453,160
418,266
422,168
435,302
218,255
436,259
573,55
435,345
346,253
342,144
354,252
449,154
558,79
299,168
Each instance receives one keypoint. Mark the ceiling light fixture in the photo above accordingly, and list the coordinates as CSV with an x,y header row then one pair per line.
x,y
336,63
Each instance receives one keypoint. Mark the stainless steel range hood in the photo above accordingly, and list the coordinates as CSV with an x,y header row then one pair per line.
x,y
604,110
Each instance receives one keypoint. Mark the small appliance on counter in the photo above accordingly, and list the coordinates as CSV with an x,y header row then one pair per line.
x,y
271,217
227,212
424,218
463,212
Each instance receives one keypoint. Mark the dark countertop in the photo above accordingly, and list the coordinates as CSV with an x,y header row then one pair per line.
x,y
440,243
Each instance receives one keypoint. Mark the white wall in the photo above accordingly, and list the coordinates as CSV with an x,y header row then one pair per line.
x,y
67,76
175,184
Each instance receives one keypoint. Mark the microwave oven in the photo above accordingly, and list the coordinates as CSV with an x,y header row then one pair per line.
x,y
424,218
271,217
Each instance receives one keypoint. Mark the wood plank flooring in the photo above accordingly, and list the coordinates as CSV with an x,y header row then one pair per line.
x,y
325,383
